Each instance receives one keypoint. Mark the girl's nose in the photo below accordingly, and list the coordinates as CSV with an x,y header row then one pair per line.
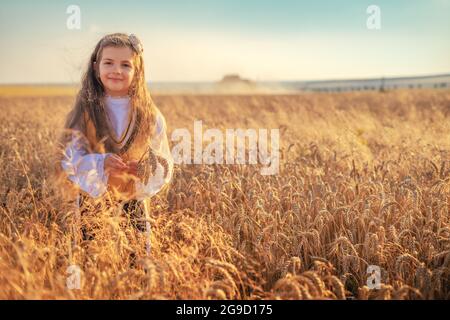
x,y
116,69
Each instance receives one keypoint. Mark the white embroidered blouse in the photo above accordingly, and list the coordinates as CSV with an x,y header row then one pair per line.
x,y
87,169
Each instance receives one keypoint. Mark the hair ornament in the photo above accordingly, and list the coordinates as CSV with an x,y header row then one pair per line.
x,y
136,43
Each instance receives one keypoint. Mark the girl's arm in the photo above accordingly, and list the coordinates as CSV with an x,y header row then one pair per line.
x,y
160,146
85,169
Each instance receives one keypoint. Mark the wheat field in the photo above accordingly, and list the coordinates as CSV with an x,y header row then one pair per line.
x,y
364,180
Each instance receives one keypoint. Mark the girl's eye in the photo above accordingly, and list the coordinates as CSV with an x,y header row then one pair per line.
x,y
127,65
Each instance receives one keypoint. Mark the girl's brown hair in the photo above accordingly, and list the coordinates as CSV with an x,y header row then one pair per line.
x,y
90,97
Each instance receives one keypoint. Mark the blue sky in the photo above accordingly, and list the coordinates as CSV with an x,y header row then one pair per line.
x,y
203,40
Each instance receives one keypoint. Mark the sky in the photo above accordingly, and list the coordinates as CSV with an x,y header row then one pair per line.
x,y
200,40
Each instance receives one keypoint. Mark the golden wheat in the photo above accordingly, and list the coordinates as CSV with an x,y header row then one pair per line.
x,y
364,180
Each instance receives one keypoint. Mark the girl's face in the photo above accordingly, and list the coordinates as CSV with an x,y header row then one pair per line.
x,y
116,70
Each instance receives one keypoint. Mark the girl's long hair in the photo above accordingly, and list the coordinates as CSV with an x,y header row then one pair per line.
x,y
90,97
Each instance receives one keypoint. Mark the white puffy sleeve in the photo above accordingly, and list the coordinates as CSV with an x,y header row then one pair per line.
x,y
164,162
85,169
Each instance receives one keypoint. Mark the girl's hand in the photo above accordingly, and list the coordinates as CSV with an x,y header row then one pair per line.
x,y
133,167
114,165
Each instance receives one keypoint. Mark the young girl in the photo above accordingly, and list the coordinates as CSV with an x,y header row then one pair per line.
x,y
117,148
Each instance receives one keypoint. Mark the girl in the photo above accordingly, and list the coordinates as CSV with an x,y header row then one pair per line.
x,y
117,149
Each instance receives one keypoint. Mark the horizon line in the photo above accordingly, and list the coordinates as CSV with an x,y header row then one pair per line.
x,y
255,81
